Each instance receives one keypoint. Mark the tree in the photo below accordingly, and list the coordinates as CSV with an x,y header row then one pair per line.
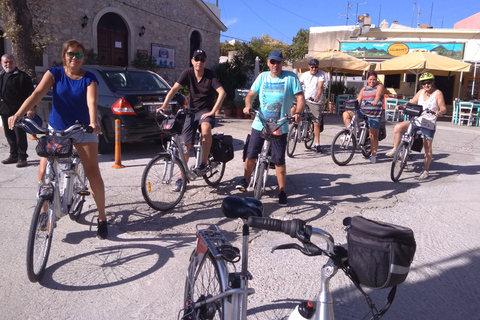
x,y
299,47
19,28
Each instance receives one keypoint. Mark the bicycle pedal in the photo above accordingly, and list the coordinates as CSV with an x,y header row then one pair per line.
x,y
84,193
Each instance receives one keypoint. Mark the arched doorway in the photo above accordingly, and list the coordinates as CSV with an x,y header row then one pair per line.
x,y
112,40
195,42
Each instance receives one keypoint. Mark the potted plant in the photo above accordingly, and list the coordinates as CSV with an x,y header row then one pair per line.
x,y
228,109
239,104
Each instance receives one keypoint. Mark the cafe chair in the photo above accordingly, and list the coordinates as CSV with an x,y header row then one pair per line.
x,y
341,99
467,113
391,114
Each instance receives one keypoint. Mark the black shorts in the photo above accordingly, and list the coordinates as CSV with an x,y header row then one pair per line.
x,y
192,121
277,147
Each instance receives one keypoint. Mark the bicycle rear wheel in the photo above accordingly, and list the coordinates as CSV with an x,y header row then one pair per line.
x,y
159,182
215,171
203,281
343,147
310,135
39,239
260,180
80,188
367,149
399,161
292,140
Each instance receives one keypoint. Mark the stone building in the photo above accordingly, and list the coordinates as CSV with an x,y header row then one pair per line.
x,y
117,31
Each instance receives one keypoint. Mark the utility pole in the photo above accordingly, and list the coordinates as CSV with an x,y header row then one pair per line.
x,y
431,13
413,12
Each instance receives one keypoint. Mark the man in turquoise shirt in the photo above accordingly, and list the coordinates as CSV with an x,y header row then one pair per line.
x,y
276,90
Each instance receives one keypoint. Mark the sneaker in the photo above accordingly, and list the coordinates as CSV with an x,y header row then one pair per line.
x,y
318,149
282,199
390,153
200,170
243,185
10,160
178,185
21,163
423,175
102,231
373,159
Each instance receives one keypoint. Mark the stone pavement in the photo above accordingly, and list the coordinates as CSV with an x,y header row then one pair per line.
x,y
138,273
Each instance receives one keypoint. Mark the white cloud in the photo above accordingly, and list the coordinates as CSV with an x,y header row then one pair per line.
x,y
229,22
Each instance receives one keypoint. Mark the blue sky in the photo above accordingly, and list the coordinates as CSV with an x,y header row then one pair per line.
x,y
282,19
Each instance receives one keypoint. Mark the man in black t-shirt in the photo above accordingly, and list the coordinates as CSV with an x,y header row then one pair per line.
x,y
202,84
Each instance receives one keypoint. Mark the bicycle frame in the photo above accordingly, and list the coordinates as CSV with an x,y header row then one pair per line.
x,y
174,149
234,300
358,127
263,157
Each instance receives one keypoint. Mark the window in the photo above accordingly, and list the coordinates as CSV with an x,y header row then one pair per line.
x,y
392,81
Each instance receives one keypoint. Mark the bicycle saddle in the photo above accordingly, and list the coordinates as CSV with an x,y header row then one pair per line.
x,y
236,207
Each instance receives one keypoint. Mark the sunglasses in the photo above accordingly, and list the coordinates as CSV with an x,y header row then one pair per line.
x,y
78,55
313,67
200,59
275,62
426,82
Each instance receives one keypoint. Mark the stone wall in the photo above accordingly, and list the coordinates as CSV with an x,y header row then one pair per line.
x,y
168,23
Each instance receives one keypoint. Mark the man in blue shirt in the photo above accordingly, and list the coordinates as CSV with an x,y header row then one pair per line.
x,y
276,89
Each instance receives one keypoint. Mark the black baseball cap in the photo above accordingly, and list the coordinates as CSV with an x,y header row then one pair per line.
x,y
199,52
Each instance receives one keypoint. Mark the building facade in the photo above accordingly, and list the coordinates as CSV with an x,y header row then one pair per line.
x,y
461,44
118,31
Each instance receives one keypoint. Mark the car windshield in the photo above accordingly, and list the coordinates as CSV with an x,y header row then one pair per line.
x,y
127,80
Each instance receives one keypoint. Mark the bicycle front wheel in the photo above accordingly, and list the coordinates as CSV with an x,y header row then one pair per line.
x,y
292,140
39,240
399,161
163,182
310,135
260,180
203,281
215,171
80,187
343,147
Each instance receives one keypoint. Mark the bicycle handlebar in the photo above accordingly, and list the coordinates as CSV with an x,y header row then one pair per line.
x,y
21,122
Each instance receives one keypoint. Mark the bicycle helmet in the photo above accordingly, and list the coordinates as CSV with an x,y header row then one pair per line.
x,y
313,62
426,76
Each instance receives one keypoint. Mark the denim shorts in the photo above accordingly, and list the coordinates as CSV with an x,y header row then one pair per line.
x,y
79,136
277,147
373,123
427,134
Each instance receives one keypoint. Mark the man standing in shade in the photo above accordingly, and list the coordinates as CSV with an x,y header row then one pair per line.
x,y
202,85
15,87
276,90
312,83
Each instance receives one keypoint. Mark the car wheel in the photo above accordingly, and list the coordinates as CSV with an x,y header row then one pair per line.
x,y
103,145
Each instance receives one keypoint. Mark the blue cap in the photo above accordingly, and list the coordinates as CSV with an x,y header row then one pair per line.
x,y
313,62
275,55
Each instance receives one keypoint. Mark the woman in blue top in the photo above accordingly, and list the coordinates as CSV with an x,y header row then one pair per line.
x,y
75,95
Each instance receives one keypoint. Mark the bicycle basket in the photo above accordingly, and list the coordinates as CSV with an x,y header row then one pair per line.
x,y
172,125
414,110
352,104
272,131
379,253
54,146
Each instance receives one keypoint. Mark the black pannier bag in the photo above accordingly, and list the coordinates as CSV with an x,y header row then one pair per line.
x,y
272,131
57,146
352,104
222,147
382,132
379,253
417,144
413,109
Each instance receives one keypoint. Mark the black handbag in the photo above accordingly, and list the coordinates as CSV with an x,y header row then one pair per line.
x,y
54,146
379,253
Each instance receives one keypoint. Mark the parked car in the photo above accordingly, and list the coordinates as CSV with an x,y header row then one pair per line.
x,y
128,94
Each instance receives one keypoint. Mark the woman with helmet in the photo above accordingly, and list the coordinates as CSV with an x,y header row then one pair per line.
x,y
430,98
